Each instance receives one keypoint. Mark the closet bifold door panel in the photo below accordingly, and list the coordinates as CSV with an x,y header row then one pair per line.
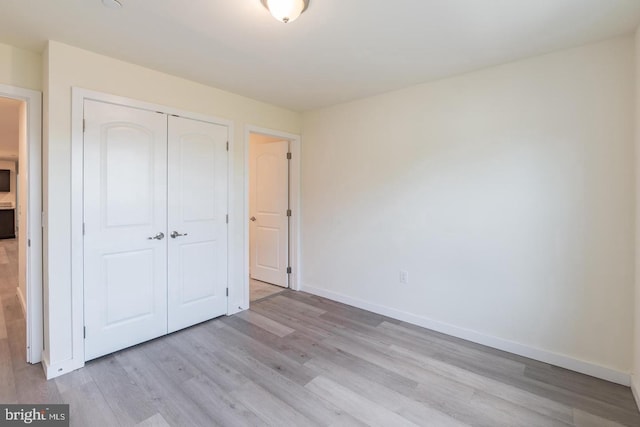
x,y
197,233
125,223
155,229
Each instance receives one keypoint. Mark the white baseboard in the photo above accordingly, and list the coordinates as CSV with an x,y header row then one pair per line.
x,y
563,361
58,369
23,301
635,388
45,366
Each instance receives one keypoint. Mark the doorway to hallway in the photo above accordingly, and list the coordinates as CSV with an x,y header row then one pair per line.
x,y
272,162
21,216
269,209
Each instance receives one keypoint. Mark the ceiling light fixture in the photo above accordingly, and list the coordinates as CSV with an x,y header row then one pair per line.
x,y
112,4
286,10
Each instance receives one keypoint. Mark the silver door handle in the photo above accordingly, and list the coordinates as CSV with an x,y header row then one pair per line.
x,y
158,236
176,234
253,218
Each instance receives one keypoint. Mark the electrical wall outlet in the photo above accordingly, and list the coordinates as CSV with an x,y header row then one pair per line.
x,y
404,277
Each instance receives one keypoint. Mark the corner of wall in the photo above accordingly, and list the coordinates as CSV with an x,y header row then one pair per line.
x,y
635,388
635,379
45,197
22,300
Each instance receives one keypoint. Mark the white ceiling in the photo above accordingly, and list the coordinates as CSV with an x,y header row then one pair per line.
x,y
338,50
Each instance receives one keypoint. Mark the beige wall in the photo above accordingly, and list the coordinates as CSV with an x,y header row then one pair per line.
x,y
507,194
20,68
636,349
66,67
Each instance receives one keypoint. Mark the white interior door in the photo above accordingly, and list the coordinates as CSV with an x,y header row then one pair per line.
x,y
197,222
269,201
125,247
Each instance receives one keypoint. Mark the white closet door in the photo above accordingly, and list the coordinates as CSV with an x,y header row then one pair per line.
x,y
269,193
197,222
125,199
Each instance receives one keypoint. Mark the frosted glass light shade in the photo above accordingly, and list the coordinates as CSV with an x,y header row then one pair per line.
x,y
286,10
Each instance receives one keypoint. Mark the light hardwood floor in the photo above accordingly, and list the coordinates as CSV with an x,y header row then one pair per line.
x,y
296,360
259,290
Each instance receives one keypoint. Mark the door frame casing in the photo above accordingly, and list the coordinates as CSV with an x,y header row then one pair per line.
x,y
294,205
34,298
78,96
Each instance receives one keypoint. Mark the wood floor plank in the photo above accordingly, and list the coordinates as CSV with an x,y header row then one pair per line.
x,y
316,409
359,366
356,405
362,317
72,380
259,290
3,323
334,306
577,401
280,305
332,326
4,259
169,400
585,419
381,357
507,413
11,308
270,409
460,402
299,359
296,305
414,411
286,318
421,332
376,354
470,354
265,323
198,348
270,340
268,355
179,367
614,394
218,404
156,420
16,335
119,391
86,405
543,406
8,392
447,394
31,386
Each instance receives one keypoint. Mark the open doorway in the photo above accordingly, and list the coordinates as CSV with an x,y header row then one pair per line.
x,y
20,219
293,215
269,210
